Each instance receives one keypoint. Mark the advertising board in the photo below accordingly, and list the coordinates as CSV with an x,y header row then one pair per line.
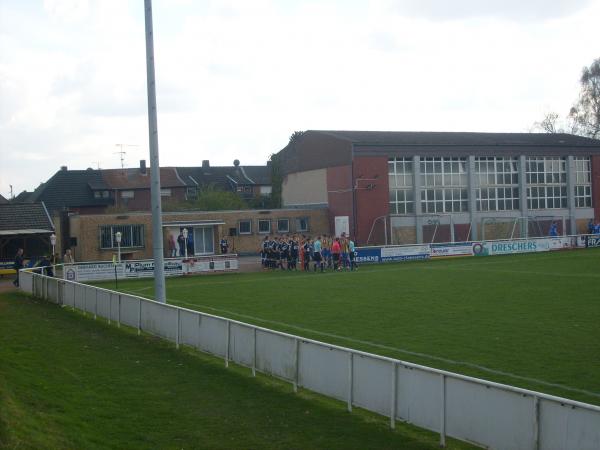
x,y
368,255
405,253
93,271
460,249
199,265
592,241
525,246
144,269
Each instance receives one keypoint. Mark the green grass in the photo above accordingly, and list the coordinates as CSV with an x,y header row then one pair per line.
x,y
71,382
527,320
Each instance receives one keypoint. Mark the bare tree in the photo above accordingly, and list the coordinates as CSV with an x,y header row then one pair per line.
x,y
548,124
552,123
586,112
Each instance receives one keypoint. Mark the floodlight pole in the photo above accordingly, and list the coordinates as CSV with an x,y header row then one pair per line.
x,y
157,231
53,242
118,239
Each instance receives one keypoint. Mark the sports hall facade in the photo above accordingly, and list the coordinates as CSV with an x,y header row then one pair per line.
x,y
413,187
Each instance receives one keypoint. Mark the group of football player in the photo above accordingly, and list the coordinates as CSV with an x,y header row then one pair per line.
x,y
288,252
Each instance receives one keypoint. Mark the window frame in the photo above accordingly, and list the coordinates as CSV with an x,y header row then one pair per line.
x,y
140,234
287,230
249,221
297,223
259,221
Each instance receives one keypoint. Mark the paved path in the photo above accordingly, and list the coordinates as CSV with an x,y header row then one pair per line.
x,y
6,284
250,264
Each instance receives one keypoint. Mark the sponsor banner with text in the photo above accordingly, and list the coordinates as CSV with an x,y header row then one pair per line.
x,y
405,253
368,255
592,241
461,249
144,269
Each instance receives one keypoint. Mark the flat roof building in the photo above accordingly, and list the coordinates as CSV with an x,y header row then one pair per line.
x,y
413,187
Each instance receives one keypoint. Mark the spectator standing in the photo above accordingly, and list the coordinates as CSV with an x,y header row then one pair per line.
x,y
18,265
172,246
224,245
554,229
68,258
181,243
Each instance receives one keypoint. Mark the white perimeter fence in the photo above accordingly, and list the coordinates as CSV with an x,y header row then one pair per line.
x,y
470,409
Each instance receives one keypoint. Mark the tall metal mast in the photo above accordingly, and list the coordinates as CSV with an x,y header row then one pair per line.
x,y
157,231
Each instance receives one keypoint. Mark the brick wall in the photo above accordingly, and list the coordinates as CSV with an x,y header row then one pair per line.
x,y
86,228
596,186
372,198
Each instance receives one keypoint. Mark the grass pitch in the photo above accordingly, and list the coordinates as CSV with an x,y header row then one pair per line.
x,y
69,382
528,320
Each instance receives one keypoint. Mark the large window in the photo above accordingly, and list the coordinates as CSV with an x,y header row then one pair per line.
x,y
245,226
301,224
546,182
400,172
131,236
583,182
496,184
283,225
264,226
444,182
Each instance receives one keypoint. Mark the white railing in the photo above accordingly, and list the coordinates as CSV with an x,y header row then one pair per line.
x,y
470,409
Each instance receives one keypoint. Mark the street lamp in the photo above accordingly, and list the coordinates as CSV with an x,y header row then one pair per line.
x,y
185,236
53,242
118,239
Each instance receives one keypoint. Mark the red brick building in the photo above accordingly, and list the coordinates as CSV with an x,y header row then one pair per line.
x,y
409,187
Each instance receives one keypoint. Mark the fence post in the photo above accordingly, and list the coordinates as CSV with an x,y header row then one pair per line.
x,y
119,313
536,422
297,361
60,285
139,325
73,296
96,304
85,290
109,307
178,328
393,397
350,380
227,345
443,411
254,355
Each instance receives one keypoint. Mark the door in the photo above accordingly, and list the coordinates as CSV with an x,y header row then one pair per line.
x,y
204,243
342,225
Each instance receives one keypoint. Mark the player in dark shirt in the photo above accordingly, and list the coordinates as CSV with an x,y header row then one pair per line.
x,y
307,250
294,249
284,249
264,251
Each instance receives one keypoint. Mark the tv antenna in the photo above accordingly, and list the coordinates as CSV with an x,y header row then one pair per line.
x,y
123,152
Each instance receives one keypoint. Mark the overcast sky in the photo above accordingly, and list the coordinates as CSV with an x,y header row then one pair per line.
x,y
236,78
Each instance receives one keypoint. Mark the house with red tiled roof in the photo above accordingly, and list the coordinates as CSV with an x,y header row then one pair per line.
x,y
130,188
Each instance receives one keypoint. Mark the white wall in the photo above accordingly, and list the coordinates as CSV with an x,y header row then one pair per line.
x,y
305,188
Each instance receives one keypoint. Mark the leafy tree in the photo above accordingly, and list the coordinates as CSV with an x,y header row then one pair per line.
x,y
209,199
586,112
276,180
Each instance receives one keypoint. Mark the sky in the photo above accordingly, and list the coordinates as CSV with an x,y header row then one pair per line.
x,y
235,79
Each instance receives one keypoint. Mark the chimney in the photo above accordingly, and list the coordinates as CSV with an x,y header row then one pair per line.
x,y
63,168
143,170
205,164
